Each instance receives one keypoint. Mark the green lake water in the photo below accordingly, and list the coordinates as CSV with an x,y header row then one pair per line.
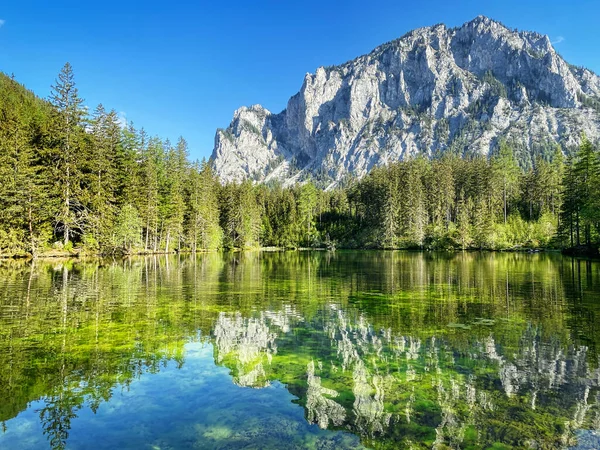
x,y
301,350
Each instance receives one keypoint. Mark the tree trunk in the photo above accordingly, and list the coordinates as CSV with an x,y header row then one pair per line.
x,y
577,228
147,233
530,210
67,209
31,239
571,228
155,239
504,205
588,234
67,183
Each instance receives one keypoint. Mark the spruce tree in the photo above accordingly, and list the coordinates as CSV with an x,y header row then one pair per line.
x,y
66,154
24,204
506,171
101,173
587,176
202,215
307,207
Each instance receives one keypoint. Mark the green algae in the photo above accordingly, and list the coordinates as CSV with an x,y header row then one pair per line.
x,y
409,351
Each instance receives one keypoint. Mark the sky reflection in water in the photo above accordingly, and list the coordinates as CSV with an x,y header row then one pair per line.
x,y
306,350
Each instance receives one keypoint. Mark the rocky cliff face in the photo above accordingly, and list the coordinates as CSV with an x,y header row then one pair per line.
x,y
434,90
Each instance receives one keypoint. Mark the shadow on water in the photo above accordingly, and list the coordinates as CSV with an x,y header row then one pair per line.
x,y
395,349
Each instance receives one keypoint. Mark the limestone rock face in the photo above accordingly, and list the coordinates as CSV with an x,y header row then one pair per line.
x,y
434,90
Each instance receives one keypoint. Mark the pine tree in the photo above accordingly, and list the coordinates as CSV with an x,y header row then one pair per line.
x,y
240,218
413,210
506,171
101,177
390,198
485,198
569,226
587,176
440,189
173,201
127,232
127,167
307,205
249,230
555,182
463,222
202,216
152,160
24,205
66,132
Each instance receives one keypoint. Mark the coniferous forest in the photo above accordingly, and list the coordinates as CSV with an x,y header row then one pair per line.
x,y
74,181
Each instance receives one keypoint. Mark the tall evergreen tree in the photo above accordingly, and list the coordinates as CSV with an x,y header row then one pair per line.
x,y
307,208
66,153
151,162
587,176
202,217
173,202
569,224
24,202
506,171
101,176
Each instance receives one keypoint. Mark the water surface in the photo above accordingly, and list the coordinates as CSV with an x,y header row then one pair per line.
x,y
301,350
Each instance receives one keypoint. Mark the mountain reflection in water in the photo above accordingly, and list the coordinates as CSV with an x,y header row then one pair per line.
x,y
380,349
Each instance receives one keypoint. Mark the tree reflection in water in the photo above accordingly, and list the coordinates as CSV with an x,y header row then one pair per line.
x,y
402,349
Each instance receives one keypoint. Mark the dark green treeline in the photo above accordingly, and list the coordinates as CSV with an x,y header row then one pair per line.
x,y
73,181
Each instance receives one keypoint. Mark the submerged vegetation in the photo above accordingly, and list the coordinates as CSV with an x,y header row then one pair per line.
x,y
404,350
77,183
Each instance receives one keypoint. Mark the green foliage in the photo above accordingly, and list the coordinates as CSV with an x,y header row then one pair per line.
x,y
507,175
26,210
89,244
66,152
496,88
454,203
101,187
202,216
589,101
94,184
240,216
580,215
307,205
127,232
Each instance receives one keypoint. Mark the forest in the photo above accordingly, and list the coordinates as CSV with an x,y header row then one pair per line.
x,y
75,182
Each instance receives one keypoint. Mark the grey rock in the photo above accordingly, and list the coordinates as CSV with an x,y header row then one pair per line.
x,y
434,90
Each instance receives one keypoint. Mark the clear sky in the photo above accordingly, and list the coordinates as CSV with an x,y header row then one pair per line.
x,y
182,67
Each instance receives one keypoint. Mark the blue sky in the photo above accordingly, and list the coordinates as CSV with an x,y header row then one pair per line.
x,y
182,67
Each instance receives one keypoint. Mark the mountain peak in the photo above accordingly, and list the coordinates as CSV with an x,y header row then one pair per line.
x,y
481,19
434,90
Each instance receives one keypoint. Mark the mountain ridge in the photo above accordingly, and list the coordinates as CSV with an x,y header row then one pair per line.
x,y
433,90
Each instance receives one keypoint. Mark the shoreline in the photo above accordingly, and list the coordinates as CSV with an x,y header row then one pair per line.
x,y
54,254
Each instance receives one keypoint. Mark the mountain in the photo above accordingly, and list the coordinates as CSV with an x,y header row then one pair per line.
x,y
434,90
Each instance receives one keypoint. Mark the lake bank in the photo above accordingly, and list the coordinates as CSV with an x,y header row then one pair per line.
x,y
582,251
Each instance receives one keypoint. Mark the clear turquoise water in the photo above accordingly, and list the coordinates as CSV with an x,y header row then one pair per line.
x,y
301,350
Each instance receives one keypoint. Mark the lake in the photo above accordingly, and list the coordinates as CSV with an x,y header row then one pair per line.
x,y
323,350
